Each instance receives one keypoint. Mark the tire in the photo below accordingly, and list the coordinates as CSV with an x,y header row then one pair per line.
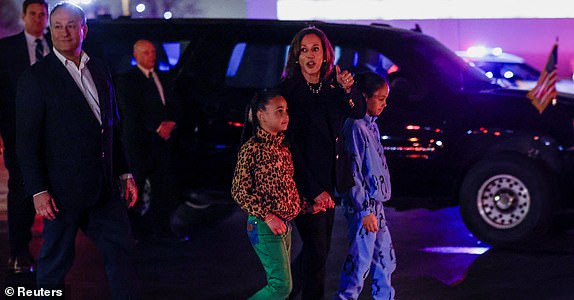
x,y
201,208
507,201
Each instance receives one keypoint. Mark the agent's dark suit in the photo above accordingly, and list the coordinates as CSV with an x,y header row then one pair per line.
x,y
150,156
14,60
64,150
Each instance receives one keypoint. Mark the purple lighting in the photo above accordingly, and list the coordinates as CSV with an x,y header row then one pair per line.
x,y
456,250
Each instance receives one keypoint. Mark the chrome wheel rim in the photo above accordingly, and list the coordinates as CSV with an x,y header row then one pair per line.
x,y
503,201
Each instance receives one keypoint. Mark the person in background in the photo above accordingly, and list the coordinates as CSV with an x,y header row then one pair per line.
x,y
370,245
150,113
72,161
263,186
18,53
320,96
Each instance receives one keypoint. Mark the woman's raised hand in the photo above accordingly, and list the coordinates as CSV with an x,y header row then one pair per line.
x,y
345,79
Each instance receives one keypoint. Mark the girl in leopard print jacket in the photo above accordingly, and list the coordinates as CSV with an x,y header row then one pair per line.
x,y
263,186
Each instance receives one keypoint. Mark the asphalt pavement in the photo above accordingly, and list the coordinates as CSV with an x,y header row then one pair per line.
x,y
437,258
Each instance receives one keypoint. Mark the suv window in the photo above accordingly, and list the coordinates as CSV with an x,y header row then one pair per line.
x,y
407,89
253,65
173,51
119,55
362,60
245,67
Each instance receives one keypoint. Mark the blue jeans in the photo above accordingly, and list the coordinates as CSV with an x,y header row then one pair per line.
x,y
274,251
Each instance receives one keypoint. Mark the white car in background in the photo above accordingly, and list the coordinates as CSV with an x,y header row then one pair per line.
x,y
508,70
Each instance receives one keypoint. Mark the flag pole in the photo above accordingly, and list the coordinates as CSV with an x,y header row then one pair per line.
x,y
545,91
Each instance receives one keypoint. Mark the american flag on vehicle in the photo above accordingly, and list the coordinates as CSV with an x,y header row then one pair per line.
x,y
545,90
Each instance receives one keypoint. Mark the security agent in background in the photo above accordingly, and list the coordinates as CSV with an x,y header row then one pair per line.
x,y
18,53
150,113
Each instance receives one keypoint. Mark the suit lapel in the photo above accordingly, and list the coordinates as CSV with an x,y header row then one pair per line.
x,y
69,84
23,60
99,77
48,38
153,96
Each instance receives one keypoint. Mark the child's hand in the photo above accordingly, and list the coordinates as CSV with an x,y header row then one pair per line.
x,y
370,223
324,200
276,224
315,208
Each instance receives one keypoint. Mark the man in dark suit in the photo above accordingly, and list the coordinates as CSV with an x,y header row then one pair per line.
x,y
67,143
150,112
18,53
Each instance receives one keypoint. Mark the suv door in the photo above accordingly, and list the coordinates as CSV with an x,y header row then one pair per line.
x,y
413,138
218,81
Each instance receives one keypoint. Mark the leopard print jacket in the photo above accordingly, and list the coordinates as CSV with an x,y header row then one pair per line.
x,y
263,180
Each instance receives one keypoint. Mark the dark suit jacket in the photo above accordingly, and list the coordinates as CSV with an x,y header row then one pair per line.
x,y
142,112
315,123
14,60
60,145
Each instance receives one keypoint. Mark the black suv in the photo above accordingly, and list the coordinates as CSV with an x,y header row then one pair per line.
x,y
447,132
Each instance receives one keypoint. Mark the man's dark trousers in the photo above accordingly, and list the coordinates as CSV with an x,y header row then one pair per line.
x,y
107,225
164,197
21,212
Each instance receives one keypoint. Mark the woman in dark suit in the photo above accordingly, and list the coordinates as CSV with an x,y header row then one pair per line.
x,y
320,97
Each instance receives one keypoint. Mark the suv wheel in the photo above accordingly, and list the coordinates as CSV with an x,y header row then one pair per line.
x,y
506,201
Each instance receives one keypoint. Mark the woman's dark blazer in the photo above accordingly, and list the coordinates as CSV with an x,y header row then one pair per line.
x,y
315,124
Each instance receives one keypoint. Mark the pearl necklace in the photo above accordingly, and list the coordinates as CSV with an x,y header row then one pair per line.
x,y
316,90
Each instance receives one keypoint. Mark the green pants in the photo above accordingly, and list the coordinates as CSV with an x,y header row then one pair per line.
x,y
274,251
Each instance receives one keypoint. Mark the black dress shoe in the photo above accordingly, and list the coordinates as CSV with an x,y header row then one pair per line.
x,y
21,264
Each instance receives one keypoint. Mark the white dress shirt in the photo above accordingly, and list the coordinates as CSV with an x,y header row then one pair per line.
x,y
84,81
31,43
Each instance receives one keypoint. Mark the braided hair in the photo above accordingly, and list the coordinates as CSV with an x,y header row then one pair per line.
x,y
258,102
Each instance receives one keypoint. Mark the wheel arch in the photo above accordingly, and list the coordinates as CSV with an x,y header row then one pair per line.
x,y
474,149
533,175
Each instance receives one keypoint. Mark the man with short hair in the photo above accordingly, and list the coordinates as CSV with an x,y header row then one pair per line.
x,y
18,53
150,112
67,142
